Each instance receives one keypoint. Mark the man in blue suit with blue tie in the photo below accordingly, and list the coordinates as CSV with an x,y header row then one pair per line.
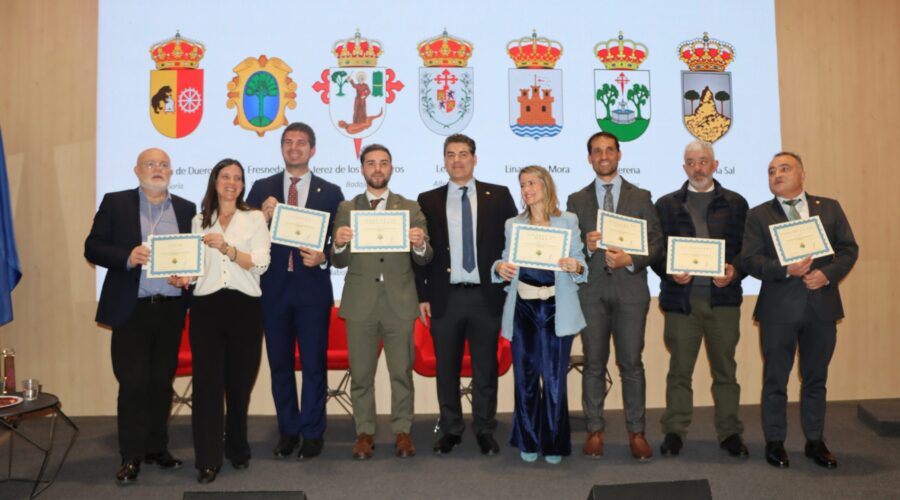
x,y
297,298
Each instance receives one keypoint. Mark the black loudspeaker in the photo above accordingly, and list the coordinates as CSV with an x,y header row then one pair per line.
x,y
245,495
695,489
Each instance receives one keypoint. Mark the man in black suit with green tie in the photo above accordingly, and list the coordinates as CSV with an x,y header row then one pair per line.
x,y
798,306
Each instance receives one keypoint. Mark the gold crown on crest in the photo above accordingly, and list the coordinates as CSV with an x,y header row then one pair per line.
x,y
621,53
177,53
357,51
534,52
706,54
445,51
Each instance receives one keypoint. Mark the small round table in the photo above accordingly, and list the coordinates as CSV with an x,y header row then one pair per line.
x,y
9,419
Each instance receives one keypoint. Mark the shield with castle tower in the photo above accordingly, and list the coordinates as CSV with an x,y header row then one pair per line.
x,y
446,85
535,87
357,91
622,91
706,98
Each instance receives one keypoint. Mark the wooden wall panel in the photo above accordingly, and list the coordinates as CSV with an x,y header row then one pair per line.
x,y
838,71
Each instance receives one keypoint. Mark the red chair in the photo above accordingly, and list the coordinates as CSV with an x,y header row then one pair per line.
x,y
185,369
338,359
425,363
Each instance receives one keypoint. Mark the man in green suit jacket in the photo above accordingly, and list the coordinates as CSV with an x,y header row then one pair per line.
x,y
380,305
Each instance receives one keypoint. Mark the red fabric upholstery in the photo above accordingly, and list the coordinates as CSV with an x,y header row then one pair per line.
x,y
425,362
184,350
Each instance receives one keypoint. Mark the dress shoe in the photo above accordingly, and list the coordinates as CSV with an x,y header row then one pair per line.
x,y
735,446
528,457
775,454
164,460
240,464
553,459
640,448
364,447
128,472
446,443
593,445
207,476
311,448
404,447
286,445
817,451
487,444
671,445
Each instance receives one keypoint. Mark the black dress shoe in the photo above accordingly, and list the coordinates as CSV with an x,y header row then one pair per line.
x,y
671,445
286,446
207,476
735,446
817,451
240,464
311,448
164,460
487,444
128,472
446,443
775,454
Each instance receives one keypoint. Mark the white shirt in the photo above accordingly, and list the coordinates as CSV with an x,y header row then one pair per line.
x,y
802,206
247,232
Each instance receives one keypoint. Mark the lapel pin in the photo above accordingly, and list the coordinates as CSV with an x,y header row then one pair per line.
x,y
488,193
318,190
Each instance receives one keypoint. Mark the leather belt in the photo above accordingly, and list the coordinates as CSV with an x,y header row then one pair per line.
x,y
465,285
156,299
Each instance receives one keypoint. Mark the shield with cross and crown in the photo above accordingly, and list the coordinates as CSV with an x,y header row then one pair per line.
x,y
535,87
622,91
176,86
357,91
706,98
446,85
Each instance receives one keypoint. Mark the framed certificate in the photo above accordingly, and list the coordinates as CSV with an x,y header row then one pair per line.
x,y
379,231
299,227
798,239
627,233
539,247
175,254
695,256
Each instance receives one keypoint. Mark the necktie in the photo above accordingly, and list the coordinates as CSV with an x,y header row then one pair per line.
x,y
608,199
375,202
292,200
792,214
467,241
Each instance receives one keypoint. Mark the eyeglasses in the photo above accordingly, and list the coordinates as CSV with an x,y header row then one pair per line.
x,y
150,165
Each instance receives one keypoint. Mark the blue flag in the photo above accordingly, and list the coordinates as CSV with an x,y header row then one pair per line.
x,y
10,272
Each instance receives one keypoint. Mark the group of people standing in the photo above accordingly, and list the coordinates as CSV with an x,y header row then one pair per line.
x,y
457,279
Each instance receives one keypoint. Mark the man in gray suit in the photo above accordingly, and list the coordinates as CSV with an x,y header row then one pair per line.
x,y
380,305
616,298
798,306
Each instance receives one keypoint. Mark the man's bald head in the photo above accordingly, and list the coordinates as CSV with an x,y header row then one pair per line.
x,y
153,170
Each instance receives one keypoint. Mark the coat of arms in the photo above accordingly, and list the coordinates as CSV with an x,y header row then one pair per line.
x,y
706,89
446,85
622,91
260,92
535,87
176,86
357,91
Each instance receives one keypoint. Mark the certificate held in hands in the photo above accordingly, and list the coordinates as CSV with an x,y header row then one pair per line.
x,y
798,239
299,227
620,231
696,256
175,255
379,231
539,247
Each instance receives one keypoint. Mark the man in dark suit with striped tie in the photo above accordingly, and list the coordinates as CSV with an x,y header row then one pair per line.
x,y
798,306
297,298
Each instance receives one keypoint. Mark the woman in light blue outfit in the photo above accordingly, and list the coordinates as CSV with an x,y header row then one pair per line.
x,y
541,315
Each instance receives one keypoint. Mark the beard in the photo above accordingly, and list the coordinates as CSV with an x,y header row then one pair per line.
x,y
378,183
158,187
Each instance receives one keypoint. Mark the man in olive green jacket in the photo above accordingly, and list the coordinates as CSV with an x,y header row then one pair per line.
x,y
380,305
